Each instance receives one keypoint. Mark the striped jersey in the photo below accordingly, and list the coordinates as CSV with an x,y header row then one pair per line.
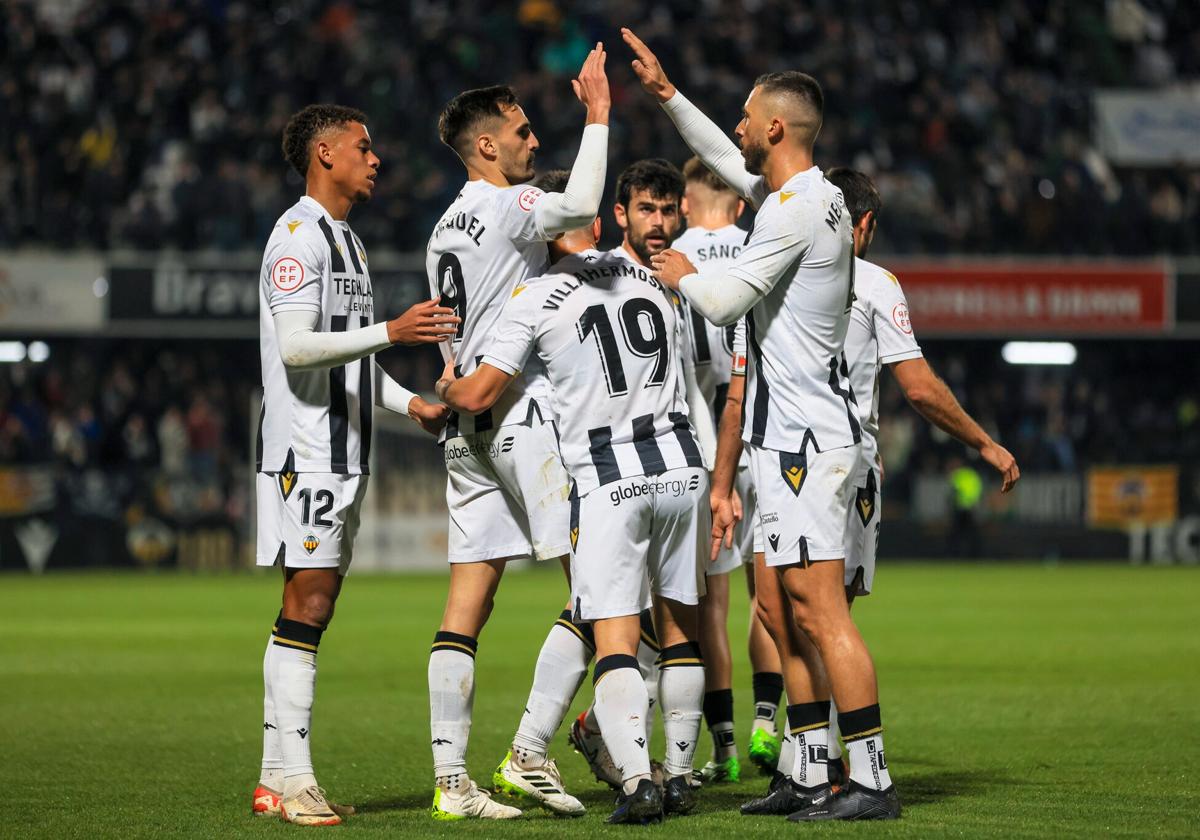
x,y
712,252
607,334
314,420
800,256
879,334
485,244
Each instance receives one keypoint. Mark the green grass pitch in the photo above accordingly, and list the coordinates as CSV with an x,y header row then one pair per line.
x,y
1018,701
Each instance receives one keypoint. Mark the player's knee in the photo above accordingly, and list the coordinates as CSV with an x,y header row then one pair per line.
x,y
316,609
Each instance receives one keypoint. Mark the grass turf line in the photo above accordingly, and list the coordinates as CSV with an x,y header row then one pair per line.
x,y
1018,701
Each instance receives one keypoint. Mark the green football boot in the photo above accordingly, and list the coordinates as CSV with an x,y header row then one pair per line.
x,y
729,770
764,750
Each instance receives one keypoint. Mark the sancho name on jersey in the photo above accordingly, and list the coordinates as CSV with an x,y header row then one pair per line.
x,y
314,420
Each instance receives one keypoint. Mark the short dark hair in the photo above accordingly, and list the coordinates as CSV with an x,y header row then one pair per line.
x,y
859,190
553,181
695,172
659,177
307,124
464,113
794,83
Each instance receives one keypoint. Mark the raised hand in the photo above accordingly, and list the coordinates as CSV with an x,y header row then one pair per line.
x,y
648,70
591,87
423,323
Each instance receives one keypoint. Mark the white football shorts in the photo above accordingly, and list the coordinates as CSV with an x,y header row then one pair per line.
x,y
638,536
743,533
508,494
309,520
803,500
862,532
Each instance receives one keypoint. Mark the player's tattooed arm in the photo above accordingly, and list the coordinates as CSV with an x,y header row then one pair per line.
x,y
934,401
475,392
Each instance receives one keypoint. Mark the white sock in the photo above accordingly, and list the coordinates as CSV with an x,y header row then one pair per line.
x,y
451,697
271,775
621,707
835,744
787,755
681,695
863,732
294,671
808,726
647,657
561,666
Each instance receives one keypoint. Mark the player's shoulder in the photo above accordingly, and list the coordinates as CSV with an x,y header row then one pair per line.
x,y
514,200
874,285
298,226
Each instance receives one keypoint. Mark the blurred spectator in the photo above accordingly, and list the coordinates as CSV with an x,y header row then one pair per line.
x,y
157,124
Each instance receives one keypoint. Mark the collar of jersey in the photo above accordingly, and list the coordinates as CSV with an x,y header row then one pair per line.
x,y
309,201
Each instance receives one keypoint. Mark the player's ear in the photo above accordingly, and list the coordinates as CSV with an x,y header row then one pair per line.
x,y
866,223
683,205
619,215
323,154
775,130
485,146
741,209
596,228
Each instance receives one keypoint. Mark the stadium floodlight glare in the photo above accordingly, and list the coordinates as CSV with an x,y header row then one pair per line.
x,y
1039,353
39,351
11,351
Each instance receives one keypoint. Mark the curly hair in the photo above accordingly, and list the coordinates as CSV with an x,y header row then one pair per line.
x,y
307,124
659,177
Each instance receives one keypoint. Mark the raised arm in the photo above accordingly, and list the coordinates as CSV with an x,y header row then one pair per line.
x,y
702,135
579,203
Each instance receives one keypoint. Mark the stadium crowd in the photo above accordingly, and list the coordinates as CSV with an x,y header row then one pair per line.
x,y
156,124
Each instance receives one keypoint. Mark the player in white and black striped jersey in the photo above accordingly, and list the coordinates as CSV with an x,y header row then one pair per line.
x,y
795,279
317,339
505,501
607,334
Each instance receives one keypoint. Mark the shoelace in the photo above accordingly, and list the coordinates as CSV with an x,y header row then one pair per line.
x,y
315,800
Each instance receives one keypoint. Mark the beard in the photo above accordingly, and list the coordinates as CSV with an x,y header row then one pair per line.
x,y
643,249
755,157
517,171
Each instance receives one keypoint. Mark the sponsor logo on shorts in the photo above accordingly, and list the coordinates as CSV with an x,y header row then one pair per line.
x,y
675,488
491,448
769,518
311,542
773,539
865,504
287,483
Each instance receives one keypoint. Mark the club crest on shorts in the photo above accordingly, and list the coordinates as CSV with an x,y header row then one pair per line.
x,y
794,469
311,542
574,537
287,483
864,502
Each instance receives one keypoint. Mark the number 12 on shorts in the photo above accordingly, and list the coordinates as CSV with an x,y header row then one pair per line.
x,y
324,500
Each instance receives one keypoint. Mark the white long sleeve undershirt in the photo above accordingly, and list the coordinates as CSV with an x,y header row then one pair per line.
x,y
302,347
700,414
713,146
721,299
578,204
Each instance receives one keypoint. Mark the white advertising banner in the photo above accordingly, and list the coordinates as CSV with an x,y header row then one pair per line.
x,y
1149,128
50,293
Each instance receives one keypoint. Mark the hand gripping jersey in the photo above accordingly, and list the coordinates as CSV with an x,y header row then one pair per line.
x,y
314,420
800,255
879,334
607,334
711,251
485,244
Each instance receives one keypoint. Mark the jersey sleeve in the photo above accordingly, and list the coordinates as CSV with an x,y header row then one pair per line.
x,y
516,209
781,236
516,332
293,270
739,348
892,325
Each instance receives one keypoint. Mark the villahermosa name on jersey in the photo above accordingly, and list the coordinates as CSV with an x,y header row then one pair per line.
x,y
607,334
314,420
